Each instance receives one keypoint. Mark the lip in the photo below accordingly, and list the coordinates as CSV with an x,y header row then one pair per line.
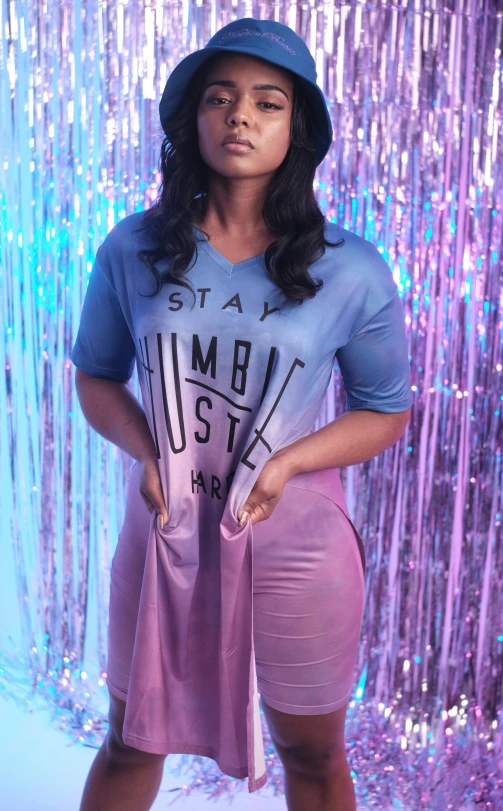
x,y
232,146
237,139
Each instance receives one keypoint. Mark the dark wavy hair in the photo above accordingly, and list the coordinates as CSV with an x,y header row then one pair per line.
x,y
290,210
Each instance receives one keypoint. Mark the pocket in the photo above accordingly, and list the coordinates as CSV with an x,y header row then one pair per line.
x,y
321,482
361,547
180,545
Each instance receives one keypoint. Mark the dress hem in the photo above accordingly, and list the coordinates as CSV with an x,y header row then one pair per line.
x,y
320,709
177,748
180,748
116,691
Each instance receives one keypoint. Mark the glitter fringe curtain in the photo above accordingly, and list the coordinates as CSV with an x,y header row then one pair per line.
x,y
414,91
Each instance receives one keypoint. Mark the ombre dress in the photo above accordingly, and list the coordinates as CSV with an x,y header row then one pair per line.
x,y
206,617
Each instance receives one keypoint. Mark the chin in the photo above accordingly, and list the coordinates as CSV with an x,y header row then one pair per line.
x,y
232,168
239,166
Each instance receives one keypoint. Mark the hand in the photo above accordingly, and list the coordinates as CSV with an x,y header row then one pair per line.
x,y
151,489
266,492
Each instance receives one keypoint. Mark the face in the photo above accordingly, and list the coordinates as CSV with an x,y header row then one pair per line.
x,y
235,106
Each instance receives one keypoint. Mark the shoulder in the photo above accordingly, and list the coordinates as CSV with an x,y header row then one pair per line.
x,y
125,232
123,241
360,261
116,252
358,252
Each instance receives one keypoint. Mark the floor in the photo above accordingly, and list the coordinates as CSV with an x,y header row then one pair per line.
x,y
41,768
45,768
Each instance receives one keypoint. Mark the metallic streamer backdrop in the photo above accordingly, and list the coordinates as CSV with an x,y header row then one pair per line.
x,y
415,94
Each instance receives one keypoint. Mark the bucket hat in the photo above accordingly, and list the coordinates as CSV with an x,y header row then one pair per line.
x,y
269,40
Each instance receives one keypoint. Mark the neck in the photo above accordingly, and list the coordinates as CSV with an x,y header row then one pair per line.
x,y
234,205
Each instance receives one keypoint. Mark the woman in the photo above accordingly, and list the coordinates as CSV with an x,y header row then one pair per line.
x,y
237,572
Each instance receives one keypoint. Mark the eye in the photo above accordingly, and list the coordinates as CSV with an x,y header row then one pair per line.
x,y
272,104
221,98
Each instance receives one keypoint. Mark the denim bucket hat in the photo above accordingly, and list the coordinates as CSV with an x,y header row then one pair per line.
x,y
269,40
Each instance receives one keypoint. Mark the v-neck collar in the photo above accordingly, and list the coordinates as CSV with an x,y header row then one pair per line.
x,y
224,263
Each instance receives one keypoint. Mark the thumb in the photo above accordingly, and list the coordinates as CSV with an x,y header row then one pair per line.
x,y
157,499
244,513
162,513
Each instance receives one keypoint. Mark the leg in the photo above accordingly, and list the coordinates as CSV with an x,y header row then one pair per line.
x,y
308,607
311,749
121,778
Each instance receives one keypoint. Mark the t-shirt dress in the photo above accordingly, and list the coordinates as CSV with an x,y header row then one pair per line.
x,y
226,383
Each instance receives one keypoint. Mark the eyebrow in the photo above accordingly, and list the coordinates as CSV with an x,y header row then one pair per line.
x,y
231,83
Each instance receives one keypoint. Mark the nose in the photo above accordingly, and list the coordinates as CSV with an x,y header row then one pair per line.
x,y
238,113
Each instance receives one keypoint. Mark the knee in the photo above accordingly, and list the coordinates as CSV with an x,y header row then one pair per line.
x,y
120,754
117,752
321,764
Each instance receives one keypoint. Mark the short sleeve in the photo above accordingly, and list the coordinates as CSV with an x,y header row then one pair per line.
x,y
374,363
104,346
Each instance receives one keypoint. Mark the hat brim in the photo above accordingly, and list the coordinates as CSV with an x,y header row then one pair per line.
x,y
182,74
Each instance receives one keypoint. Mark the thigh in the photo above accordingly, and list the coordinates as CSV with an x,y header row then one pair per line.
x,y
116,713
308,591
129,557
126,576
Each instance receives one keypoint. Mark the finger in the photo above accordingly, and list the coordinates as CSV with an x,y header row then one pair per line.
x,y
245,512
156,496
243,518
252,514
162,513
162,517
147,503
257,516
261,512
256,500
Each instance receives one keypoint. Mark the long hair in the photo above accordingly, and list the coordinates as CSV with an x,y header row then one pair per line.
x,y
289,211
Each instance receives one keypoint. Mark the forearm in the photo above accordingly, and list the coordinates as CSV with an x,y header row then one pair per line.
x,y
354,437
114,412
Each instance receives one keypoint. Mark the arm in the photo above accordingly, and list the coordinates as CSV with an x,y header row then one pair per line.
x,y
114,412
375,370
104,354
354,437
